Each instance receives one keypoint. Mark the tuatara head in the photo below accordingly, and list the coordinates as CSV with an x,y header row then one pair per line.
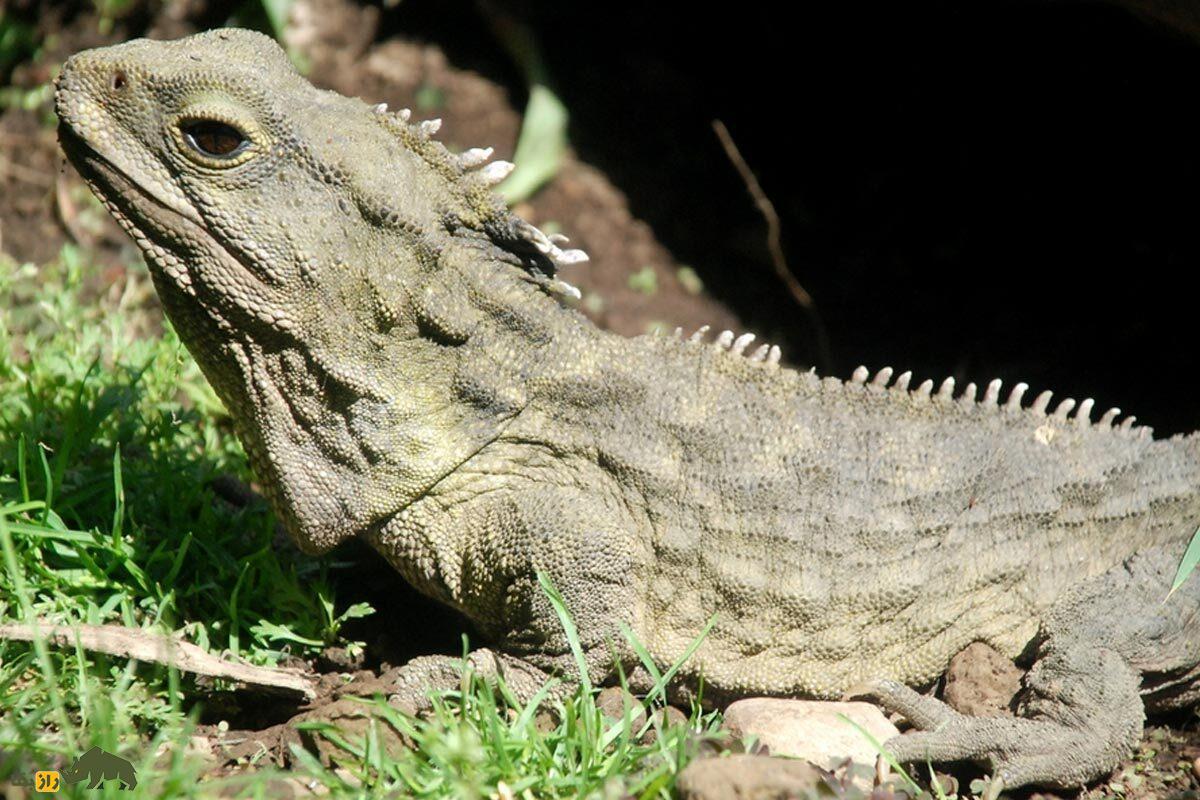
x,y
243,182
195,148
325,261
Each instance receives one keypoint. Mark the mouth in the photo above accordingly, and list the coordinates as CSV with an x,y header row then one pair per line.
x,y
142,215
114,188
182,251
155,227
90,164
110,185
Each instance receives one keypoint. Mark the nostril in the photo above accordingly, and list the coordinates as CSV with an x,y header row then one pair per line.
x,y
119,80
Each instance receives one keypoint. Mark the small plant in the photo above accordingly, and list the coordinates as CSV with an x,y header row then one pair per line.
x,y
109,443
480,741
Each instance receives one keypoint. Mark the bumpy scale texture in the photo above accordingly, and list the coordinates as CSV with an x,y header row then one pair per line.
x,y
393,346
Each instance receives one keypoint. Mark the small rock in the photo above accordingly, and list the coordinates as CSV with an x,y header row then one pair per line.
x,y
746,777
1196,768
813,730
982,682
665,717
545,722
673,716
947,784
615,703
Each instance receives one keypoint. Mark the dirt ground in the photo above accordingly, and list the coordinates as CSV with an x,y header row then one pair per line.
x,y
632,284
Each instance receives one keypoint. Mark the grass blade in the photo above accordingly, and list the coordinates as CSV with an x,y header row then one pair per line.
x,y
1187,564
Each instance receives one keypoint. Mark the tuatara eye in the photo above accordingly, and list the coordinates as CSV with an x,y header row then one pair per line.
x,y
214,139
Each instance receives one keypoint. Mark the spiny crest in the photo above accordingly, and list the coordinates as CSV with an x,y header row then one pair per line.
x,y
767,354
969,397
475,170
882,380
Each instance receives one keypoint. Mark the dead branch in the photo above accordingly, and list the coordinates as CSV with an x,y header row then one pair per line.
x,y
767,209
775,243
155,648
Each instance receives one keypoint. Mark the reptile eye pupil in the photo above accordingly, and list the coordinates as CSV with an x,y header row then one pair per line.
x,y
214,139
118,80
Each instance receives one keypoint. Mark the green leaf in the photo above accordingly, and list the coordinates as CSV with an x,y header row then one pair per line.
x,y
277,12
274,632
572,634
878,747
1187,564
356,611
540,146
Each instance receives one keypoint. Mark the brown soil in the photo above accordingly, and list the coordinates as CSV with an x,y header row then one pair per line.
x,y
43,202
1165,767
29,228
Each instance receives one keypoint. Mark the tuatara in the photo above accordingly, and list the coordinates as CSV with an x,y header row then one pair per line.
x,y
397,352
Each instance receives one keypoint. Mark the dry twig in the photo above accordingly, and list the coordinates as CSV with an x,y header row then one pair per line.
x,y
155,648
767,209
775,242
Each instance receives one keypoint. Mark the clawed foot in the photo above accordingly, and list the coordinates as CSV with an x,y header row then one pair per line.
x,y
419,679
1019,751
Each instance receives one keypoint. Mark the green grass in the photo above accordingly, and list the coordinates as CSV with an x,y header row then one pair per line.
x,y
109,441
480,741
1187,563
108,444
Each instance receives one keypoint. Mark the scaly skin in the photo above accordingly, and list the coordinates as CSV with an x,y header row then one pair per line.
x,y
392,345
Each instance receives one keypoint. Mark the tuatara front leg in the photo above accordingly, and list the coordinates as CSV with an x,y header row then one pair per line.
x,y
417,681
1109,648
482,551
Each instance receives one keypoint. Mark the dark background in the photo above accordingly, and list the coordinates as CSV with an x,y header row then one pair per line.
x,y
996,189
